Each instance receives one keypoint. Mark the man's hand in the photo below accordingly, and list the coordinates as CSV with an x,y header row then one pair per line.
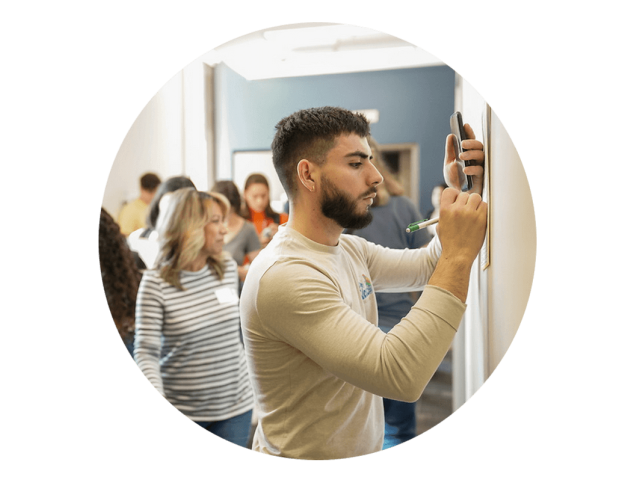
x,y
474,153
462,224
462,227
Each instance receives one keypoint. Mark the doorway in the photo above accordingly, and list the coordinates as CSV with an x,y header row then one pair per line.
x,y
403,161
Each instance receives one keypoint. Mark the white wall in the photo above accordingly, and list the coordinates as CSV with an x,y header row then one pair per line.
x,y
498,294
169,137
513,244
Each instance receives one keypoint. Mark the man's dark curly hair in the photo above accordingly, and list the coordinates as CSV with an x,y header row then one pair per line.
x,y
311,134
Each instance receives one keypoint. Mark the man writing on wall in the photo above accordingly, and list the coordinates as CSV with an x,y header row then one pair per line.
x,y
318,362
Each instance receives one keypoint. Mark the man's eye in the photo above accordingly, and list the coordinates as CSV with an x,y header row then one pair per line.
x,y
356,165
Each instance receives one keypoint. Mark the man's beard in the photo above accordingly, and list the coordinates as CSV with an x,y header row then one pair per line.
x,y
337,206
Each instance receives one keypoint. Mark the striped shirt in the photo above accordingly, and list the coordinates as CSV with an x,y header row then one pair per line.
x,y
187,342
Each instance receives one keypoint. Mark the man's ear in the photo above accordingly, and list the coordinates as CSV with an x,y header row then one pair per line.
x,y
306,174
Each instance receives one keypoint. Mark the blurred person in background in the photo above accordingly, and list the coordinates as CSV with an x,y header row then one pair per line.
x,y
241,240
133,215
257,208
392,212
144,241
120,277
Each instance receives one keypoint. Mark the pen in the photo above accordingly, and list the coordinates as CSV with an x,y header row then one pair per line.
x,y
414,227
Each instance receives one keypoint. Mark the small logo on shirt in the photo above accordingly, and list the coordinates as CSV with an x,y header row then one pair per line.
x,y
365,288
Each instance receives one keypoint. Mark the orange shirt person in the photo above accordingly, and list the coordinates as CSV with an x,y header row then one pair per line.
x,y
257,208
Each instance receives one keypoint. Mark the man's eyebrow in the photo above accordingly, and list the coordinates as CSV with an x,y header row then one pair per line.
x,y
359,154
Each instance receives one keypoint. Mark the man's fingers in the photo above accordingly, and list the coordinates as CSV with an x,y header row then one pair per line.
x,y
475,155
472,145
473,171
449,196
469,131
474,200
449,149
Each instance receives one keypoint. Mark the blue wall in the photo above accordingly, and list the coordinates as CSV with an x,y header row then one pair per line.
x,y
415,105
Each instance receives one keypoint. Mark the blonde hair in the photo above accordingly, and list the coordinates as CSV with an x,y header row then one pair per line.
x,y
180,227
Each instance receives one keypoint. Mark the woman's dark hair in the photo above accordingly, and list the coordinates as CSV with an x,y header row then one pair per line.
x,y
120,275
169,185
268,211
229,190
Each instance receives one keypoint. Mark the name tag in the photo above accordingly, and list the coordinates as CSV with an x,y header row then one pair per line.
x,y
226,296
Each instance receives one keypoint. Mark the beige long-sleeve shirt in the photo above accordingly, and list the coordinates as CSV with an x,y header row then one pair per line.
x,y
318,363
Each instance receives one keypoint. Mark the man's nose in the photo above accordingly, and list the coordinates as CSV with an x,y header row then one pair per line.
x,y
375,177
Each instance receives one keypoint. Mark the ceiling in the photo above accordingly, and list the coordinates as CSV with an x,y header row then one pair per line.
x,y
317,49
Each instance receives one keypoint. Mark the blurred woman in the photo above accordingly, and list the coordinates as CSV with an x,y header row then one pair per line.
x,y
120,277
257,208
241,240
187,318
